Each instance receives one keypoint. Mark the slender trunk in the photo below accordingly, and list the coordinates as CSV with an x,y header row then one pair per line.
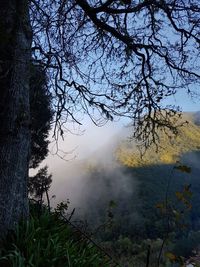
x,y
48,200
15,48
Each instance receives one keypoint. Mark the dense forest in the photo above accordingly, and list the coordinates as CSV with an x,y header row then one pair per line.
x,y
131,204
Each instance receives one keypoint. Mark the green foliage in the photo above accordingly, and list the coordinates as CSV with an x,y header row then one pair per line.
x,y
47,241
130,253
142,215
183,168
136,214
40,183
187,244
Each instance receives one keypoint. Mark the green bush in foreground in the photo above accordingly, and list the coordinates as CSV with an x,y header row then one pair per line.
x,y
46,240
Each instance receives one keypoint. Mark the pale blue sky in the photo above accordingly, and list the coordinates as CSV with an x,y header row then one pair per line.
x,y
185,102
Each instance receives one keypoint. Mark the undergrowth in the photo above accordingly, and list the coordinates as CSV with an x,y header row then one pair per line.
x,y
46,240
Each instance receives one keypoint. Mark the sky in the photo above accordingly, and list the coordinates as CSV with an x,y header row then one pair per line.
x,y
187,104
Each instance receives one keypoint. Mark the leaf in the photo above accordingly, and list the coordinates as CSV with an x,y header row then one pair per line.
x,y
112,204
170,256
179,195
160,206
187,191
187,187
110,214
183,168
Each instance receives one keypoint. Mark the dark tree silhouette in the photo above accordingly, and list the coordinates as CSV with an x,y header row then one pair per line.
x,y
41,115
40,184
121,57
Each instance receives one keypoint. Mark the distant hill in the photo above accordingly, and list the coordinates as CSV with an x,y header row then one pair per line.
x,y
170,149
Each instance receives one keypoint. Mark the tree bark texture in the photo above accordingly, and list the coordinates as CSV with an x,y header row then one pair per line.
x,y
15,55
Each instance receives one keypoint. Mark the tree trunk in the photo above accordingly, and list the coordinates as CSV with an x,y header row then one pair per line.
x,y
15,55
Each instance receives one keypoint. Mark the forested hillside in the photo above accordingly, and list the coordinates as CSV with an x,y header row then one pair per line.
x,y
186,139
136,201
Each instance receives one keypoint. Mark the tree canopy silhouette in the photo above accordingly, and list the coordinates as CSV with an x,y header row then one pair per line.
x,y
121,57
41,116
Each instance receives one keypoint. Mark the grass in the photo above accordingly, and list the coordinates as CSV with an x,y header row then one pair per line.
x,y
47,240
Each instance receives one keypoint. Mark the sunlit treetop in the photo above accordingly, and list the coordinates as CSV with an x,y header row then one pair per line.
x,y
118,57
171,150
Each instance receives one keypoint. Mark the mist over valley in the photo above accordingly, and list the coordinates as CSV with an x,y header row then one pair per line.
x,y
122,195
